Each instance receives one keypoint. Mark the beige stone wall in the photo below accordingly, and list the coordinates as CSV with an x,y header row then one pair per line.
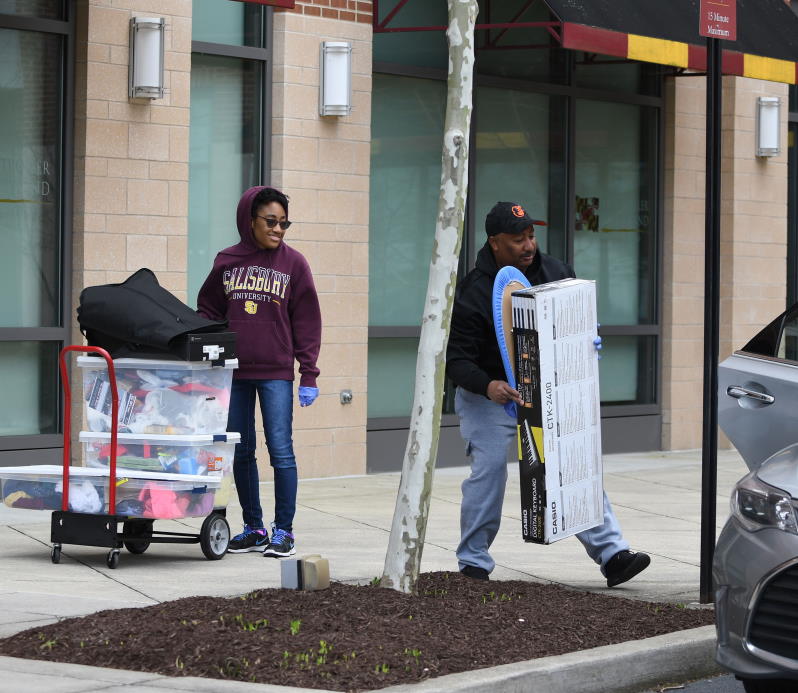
x,y
131,188
754,219
322,164
131,157
753,240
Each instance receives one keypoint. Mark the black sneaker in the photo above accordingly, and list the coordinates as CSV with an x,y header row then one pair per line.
x,y
249,540
281,545
624,565
475,573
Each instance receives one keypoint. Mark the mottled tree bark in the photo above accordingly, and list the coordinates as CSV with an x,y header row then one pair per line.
x,y
406,543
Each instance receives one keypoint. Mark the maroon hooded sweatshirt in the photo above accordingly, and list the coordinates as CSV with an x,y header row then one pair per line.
x,y
270,302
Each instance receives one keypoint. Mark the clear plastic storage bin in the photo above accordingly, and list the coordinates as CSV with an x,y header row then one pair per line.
x,y
188,454
160,397
163,496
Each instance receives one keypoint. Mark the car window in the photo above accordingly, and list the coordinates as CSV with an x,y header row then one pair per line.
x,y
779,338
788,344
766,342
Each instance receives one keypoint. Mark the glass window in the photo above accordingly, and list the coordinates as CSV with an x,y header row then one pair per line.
x,y
529,53
616,74
516,159
628,370
30,179
614,237
392,376
417,48
29,370
45,9
232,23
225,154
406,137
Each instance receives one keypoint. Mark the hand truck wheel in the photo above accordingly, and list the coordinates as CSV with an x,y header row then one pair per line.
x,y
112,559
214,536
142,531
55,553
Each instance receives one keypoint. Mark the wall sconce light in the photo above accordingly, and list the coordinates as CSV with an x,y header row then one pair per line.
x,y
145,71
768,126
335,80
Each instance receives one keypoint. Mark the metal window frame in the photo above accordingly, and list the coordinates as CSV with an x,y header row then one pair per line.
x,y
792,203
65,28
572,93
263,55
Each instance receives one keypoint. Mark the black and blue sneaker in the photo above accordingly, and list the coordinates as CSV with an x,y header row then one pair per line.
x,y
281,545
249,540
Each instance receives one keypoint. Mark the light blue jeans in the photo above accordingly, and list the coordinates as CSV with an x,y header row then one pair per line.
x,y
487,432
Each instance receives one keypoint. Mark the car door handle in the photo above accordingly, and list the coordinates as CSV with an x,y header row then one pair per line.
x,y
738,392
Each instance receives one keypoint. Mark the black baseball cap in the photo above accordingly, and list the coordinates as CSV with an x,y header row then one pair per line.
x,y
508,217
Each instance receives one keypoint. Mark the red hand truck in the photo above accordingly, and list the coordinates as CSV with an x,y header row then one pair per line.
x,y
101,529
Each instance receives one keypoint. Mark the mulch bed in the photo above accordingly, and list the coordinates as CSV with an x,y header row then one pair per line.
x,y
353,638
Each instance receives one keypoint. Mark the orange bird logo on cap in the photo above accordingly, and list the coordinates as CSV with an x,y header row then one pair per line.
x,y
518,211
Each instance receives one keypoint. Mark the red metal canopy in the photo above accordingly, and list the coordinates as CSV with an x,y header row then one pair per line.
x,y
647,31
288,4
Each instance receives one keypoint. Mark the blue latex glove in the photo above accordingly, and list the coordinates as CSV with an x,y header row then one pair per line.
x,y
307,395
597,341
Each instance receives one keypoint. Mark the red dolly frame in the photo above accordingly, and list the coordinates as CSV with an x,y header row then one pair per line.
x,y
100,529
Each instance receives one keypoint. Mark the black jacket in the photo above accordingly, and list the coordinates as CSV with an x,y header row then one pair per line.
x,y
472,356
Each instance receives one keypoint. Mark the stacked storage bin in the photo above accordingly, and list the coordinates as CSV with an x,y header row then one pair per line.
x,y
174,456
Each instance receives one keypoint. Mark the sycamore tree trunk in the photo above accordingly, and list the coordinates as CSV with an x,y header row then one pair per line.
x,y
406,543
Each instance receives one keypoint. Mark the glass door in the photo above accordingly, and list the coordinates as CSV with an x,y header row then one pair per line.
x,y
614,241
34,319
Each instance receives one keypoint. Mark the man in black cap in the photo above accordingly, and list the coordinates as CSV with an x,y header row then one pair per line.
x,y
474,364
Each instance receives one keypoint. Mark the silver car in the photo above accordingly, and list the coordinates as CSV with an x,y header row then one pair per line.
x,y
756,559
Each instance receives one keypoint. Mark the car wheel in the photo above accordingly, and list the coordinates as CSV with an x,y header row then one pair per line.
x,y
769,685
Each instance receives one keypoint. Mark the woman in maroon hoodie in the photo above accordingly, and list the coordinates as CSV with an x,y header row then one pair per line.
x,y
265,290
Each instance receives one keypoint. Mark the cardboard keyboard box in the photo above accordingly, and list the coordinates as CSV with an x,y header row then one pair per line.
x,y
559,425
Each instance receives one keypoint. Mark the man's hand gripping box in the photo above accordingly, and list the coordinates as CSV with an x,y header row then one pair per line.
x,y
559,424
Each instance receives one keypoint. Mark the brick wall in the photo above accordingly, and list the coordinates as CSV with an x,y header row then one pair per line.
x,y
131,157
344,10
323,163
753,241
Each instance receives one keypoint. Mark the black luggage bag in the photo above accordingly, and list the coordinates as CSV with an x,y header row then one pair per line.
x,y
140,319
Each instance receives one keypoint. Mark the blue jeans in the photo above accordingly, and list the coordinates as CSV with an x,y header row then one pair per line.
x,y
276,406
487,432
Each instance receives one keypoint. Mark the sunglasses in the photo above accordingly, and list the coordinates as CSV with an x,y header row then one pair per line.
x,y
271,223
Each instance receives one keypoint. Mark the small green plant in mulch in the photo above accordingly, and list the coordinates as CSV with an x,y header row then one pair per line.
x,y
251,625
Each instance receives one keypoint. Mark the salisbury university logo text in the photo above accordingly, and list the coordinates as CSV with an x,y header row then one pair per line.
x,y
255,284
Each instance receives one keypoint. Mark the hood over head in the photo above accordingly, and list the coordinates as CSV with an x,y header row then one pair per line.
x,y
244,222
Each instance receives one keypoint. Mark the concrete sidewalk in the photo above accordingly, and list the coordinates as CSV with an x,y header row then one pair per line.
x,y
656,497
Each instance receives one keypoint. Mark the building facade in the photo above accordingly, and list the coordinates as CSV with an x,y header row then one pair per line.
x,y
610,151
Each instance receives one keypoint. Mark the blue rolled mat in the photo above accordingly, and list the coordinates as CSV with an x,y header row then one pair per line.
x,y
508,279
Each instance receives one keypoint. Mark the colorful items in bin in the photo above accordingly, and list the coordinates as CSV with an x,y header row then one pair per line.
x,y
131,507
162,398
138,494
198,454
84,497
33,495
165,504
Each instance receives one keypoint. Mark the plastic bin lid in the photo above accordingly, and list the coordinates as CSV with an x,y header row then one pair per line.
x,y
155,439
36,471
95,361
